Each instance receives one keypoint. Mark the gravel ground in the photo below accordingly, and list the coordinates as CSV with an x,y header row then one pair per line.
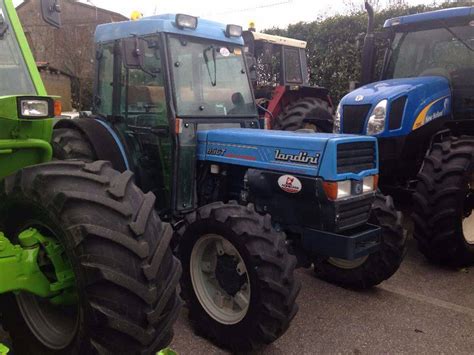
x,y
422,309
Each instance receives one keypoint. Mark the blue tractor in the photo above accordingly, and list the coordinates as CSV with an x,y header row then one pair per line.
x,y
174,104
422,113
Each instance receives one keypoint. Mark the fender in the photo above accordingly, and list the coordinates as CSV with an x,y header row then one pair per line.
x,y
105,145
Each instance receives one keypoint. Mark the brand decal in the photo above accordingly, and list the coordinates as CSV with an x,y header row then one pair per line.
x,y
215,151
290,184
359,98
302,157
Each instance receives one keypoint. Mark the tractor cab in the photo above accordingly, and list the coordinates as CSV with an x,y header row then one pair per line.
x,y
280,79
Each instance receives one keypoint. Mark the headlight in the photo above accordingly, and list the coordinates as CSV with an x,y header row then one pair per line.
x,y
376,122
336,190
35,108
186,21
370,183
233,31
336,128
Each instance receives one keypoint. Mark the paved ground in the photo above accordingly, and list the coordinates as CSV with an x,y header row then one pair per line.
x,y
422,309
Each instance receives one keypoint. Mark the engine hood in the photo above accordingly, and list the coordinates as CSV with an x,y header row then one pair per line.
x,y
330,156
425,98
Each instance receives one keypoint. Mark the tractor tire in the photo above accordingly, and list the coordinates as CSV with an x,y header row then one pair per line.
x,y
125,274
237,276
306,113
370,270
70,144
442,203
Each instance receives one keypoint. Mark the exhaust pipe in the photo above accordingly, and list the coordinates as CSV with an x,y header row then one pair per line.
x,y
368,50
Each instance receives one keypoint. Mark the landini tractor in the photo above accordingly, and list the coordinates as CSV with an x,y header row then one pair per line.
x,y
279,75
85,262
174,104
422,112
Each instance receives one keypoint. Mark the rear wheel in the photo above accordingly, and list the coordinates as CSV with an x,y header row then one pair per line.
x,y
370,270
125,276
443,202
70,144
306,113
237,276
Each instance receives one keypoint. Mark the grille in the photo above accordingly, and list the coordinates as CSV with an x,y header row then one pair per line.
x,y
353,118
352,213
355,157
396,113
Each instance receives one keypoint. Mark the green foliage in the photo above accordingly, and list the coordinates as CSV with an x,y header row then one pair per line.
x,y
335,44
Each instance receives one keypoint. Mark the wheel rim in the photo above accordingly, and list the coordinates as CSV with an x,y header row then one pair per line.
x,y
468,217
55,326
347,264
226,301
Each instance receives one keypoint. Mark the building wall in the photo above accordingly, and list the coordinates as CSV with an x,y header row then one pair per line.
x,y
58,85
71,48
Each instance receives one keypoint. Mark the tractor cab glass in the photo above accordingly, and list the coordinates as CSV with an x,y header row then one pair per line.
x,y
438,51
209,79
14,75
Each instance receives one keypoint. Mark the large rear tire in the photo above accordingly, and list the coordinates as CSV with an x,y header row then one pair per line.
x,y
70,144
443,201
370,270
306,113
125,273
237,276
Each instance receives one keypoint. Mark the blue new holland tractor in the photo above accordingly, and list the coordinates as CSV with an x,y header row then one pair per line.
x,y
174,104
422,113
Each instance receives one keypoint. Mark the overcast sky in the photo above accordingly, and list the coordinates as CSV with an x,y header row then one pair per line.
x,y
265,13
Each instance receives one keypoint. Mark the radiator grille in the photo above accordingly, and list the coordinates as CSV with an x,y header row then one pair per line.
x,y
355,157
354,117
352,213
396,113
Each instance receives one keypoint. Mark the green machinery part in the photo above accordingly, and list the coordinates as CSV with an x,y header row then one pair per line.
x,y
21,267
3,349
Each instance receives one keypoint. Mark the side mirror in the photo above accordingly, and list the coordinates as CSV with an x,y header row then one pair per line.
x,y
51,12
132,52
3,25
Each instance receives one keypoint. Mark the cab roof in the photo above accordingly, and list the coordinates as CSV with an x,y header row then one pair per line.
x,y
283,41
432,16
163,23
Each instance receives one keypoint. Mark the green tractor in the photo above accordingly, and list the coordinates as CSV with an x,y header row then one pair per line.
x,y
85,263
174,104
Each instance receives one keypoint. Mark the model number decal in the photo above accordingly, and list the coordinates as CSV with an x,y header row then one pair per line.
x,y
216,151
290,184
302,157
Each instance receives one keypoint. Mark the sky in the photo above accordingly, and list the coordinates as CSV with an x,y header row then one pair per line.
x,y
265,13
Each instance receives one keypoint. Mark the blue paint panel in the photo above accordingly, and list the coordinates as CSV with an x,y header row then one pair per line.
x,y
162,23
420,92
117,141
268,150
446,14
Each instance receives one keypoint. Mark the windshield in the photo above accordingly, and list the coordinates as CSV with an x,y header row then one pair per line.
x,y
210,79
14,75
440,51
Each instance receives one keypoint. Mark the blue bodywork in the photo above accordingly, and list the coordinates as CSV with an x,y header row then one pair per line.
x,y
428,97
445,14
163,23
260,149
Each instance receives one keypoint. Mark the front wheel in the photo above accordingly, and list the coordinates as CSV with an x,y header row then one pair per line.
x,y
237,276
113,246
443,203
370,270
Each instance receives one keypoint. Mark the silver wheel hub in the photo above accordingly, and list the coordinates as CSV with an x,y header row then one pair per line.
x,y
347,264
220,279
468,218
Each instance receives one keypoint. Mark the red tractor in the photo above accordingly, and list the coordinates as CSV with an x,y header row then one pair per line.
x,y
279,75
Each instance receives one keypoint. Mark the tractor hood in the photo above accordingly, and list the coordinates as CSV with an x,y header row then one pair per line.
x,y
333,157
411,102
